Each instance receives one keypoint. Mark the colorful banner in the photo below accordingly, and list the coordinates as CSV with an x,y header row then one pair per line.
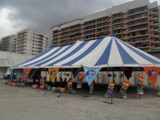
x,y
90,74
26,72
53,73
152,73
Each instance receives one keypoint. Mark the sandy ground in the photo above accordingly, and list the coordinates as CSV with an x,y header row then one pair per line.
x,y
29,104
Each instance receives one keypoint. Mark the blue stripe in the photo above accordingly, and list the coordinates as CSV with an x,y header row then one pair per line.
x,y
126,58
92,47
44,57
70,54
142,54
49,49
68,47
105,56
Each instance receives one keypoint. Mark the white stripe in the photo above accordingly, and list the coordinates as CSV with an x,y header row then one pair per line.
x,y
135,56
96,56
115,57
63,54
147,54
49,57
41,57
73,56
93,56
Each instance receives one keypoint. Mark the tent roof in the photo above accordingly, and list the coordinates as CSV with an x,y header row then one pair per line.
x,y
105,52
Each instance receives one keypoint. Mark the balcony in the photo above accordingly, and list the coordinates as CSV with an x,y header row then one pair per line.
x,y
55,37
144,47
54,34
116,28
143,42
61,40
55,42
138,18
154,24
142,35
102,26
88,34
116,23
155,30
138,29
101,31
138,23
89,29
155,19
64,35
118,33
137,12
117,17
89,38
102,22
154,12
75,37
75,31
101,34
156,41
89,24
75,27
155,36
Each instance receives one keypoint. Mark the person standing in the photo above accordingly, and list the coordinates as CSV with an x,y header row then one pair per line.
x,y
91,88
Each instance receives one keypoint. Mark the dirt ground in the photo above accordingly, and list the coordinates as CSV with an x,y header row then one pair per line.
x,y
29,104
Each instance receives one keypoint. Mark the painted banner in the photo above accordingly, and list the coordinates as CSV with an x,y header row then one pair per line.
x,y
90,74
53,73
152,73
26,72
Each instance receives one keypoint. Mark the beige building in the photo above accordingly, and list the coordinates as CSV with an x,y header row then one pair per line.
x,y
31,42
136,22
8,43
49,40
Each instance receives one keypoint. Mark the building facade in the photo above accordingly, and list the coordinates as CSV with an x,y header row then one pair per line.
x,y
8,43
8,59
136,22
31,42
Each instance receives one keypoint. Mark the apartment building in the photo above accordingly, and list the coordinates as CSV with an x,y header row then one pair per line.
x,y
8,43
31,42
50,40
136,22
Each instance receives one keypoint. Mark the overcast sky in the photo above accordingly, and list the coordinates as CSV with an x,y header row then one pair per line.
x,y
41,15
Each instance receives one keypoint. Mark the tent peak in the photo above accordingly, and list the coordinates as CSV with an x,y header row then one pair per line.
x,y
113,35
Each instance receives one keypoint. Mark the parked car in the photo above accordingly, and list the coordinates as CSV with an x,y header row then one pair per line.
x,y
8,75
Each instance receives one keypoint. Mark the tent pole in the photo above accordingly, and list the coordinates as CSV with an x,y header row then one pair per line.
x,y
33,72
115,86
68,81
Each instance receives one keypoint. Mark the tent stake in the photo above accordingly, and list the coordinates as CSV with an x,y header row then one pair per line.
x,y
115,87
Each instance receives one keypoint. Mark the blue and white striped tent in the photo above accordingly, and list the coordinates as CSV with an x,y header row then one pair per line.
x,y
105,52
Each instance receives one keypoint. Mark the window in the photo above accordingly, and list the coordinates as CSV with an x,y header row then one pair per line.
x,y
2,61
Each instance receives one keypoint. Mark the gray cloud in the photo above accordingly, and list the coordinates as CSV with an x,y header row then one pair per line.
x,y
41,15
